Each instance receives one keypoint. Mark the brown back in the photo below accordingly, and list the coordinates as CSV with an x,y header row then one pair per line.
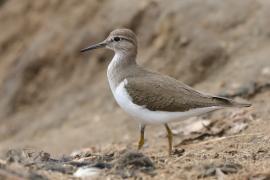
x,y
162,93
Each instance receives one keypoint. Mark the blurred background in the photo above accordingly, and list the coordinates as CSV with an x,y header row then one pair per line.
x,y
54,98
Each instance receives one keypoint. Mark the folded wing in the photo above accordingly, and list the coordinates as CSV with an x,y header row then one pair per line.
x,y
163,93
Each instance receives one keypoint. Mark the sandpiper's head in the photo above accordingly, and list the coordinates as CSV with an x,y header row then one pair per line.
x,y
119,40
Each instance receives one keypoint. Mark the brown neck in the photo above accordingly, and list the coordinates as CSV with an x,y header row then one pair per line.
x,y
122,65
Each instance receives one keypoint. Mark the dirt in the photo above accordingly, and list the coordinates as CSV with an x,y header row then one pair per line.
x,y
58,117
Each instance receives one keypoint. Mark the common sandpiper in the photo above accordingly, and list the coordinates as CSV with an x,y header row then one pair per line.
x,y
150,97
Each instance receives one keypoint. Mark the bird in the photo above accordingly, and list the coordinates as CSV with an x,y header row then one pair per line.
x,y
148,96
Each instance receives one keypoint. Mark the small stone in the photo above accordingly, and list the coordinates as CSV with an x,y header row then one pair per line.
x,y
86,172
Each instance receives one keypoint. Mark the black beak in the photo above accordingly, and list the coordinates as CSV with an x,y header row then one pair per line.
x,y
95,46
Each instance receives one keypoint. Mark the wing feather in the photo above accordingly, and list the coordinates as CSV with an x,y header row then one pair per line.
x,y
163,93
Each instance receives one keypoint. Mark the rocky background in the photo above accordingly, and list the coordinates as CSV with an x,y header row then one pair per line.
x,y
55,99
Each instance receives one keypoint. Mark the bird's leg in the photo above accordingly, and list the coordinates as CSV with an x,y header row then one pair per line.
x,y
141,141
170,137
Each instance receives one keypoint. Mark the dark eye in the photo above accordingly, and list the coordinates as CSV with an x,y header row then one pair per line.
x,y
116,38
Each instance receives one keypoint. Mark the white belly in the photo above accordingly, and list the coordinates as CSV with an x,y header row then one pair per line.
x,y
146,116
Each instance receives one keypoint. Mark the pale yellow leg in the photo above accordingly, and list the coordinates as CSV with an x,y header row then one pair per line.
x,y
170,137
141,141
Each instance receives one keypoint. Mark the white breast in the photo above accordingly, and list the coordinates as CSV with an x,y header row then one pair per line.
x,y
146,116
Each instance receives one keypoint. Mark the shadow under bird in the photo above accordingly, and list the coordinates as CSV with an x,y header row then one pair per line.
x,y
150,97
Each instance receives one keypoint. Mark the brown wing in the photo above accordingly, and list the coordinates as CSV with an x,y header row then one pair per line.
x,y
163,93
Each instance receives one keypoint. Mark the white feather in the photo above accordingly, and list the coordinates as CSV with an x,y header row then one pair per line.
x,y
110,70
146,116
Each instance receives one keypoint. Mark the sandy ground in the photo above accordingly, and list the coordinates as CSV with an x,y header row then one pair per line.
x,y
58,118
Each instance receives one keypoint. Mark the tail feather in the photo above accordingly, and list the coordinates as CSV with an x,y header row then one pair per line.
x,y
222,101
